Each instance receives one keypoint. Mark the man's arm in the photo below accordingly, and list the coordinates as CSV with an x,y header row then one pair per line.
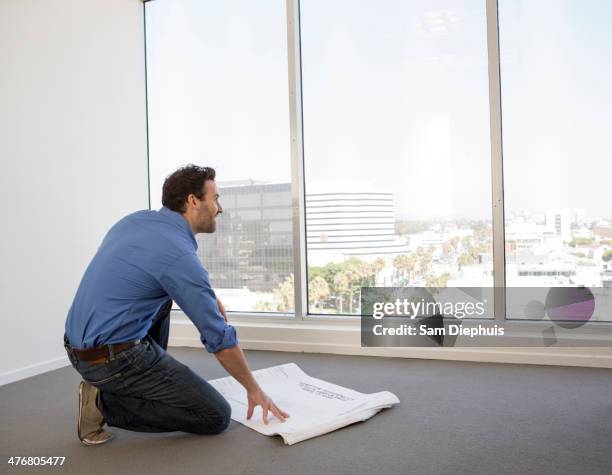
x,y
234,362
188,284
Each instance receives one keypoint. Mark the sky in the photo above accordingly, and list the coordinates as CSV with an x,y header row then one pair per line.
x,y
395,93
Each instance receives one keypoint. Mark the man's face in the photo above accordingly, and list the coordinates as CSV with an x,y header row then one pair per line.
x,y
208,210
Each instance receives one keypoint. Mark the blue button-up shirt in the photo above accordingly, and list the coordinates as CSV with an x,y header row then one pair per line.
x,y
145,259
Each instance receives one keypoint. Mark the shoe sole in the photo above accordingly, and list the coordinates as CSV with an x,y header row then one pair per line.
x,y
88,441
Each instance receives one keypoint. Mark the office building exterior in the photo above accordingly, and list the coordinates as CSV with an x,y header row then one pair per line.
x,y
252,246
344,220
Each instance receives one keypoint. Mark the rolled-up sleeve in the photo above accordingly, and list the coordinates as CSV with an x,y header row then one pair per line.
x,y
187,283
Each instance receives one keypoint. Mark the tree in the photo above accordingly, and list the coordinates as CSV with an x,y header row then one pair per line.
x,y
447,248
426,260
580,241
284,295
466,259
360,274
341,285
378,265
400,265
437,281
356,274
405,265
607,256
454,242
318,290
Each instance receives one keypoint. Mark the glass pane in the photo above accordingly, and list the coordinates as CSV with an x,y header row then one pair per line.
x,y
556,71
397,149
218,96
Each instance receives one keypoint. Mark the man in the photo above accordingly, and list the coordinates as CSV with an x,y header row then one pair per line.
x,y
118,325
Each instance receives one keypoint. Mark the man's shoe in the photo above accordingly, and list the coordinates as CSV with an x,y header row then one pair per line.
x,y
91,420
101,436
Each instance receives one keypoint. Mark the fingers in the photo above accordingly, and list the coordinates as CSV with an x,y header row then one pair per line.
x,y
285,414
280,415
266,406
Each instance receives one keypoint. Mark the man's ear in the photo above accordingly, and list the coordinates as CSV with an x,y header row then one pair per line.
x,y
190,200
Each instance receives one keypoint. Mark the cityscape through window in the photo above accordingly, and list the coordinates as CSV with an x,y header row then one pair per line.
x,y
396,147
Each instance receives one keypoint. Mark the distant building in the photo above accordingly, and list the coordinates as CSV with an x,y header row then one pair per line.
x,y
584,233
524,236
350,219
558,222
579,217
548,269
253,246
603,231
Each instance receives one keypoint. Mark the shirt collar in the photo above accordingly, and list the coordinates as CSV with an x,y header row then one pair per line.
x,y
177,219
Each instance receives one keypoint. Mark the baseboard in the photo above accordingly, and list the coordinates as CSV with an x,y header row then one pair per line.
x,y
346,341
33,370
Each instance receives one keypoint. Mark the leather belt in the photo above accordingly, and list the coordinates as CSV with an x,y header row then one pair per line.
x,y
102,354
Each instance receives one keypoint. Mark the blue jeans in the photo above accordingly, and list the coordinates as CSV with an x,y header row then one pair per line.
x,y
145,389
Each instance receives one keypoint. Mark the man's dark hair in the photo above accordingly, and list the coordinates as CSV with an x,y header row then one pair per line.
x,y
183,182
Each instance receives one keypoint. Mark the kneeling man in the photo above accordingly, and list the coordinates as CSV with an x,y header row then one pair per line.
x,y
118,325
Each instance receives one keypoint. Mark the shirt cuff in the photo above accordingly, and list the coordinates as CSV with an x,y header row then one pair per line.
x,y
229,340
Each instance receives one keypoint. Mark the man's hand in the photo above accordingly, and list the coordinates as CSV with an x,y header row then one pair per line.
x,y
259,398
222,309
232,359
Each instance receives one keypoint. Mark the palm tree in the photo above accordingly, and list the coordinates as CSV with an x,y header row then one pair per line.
x,y
284,295
405,265
341,284
317,291
400,263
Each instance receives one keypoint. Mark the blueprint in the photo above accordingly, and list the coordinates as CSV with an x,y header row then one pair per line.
x,y
315,406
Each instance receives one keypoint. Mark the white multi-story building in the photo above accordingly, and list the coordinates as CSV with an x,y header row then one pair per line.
x,y
351,219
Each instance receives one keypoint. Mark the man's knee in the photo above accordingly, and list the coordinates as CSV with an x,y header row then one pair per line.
x,y
217,422
225,416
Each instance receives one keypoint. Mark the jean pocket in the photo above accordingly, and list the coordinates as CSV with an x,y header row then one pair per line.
x,y
144,357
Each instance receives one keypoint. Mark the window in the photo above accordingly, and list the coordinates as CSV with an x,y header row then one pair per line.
x,y
396,147
556,71
217,96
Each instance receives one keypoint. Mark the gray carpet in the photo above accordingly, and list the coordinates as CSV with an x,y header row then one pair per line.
x,y
454,418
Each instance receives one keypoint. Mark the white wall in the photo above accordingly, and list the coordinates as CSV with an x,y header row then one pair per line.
x,y
73,156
